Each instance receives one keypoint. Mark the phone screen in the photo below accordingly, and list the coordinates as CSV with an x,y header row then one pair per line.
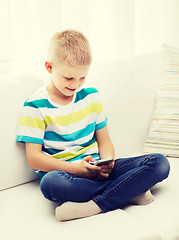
x,y
103,162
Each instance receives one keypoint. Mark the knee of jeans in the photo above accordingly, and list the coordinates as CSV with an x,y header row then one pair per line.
x,y
163,166
48,186
54,185
45,185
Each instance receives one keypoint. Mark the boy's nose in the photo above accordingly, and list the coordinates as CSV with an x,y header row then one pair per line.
x,y
75,83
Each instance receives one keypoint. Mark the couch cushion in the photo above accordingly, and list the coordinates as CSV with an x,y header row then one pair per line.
x,y
31,216
163,213
26,214
13,92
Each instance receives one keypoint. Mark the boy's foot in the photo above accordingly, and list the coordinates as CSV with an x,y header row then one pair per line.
x,y
74,210
143,199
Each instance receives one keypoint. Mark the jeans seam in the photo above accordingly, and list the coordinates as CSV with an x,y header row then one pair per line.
x,y
97,198
136,160
130,176
125,180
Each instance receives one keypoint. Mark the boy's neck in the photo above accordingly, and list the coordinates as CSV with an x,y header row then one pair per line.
x,y
57,97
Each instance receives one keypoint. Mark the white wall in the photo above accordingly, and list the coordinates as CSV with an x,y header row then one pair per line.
x,y
115,28
112,29
123,28
156,23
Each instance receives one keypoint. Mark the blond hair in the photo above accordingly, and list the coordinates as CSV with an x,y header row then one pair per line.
x,y
69,47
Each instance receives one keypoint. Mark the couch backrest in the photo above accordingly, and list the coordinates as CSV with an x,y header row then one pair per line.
x,y
14,91
127,88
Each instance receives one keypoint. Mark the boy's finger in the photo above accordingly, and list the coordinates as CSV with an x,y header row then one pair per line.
x,y
104,175
94,167
108,166
88,158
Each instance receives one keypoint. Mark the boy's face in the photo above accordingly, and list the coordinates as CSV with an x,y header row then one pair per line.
x,y
67,79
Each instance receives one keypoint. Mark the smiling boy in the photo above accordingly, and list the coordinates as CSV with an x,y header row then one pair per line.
x,y
64,129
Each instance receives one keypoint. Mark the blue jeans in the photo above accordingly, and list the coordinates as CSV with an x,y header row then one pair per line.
x,y
129,178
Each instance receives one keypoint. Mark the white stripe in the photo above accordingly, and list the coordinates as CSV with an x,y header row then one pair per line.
x,y
71,128
80,105
31,132
32,112
62,145
76,149
39,94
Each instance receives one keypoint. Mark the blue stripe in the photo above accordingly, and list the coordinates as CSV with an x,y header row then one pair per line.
x,y
52,151
53,136
83,93
101,125
80,157
91,141
41,103
21,138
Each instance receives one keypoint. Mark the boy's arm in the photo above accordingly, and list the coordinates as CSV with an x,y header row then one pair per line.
x,y
38,160
105,146
106,150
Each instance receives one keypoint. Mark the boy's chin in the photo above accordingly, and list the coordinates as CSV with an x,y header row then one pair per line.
x,y
69,94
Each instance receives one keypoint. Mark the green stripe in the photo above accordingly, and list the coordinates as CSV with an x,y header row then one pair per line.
x,y
74,117
62,120
32,122
70,155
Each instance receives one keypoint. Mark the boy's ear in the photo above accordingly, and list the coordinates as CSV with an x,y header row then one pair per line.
x,y
48,66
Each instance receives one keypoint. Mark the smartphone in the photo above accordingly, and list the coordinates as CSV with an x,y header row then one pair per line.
x,y
103,161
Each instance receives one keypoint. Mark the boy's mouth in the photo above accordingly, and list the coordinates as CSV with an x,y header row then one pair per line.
x,y
70,89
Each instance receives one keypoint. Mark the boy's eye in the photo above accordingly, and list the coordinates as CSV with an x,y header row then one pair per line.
x,y
68,78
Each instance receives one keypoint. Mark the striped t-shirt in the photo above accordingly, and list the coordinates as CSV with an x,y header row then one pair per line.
x,y
65,132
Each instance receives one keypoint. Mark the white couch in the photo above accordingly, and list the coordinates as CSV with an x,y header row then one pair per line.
x,y
128,89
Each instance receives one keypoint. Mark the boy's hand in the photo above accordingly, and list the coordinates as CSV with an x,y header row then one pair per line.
x,y
106,170
88,170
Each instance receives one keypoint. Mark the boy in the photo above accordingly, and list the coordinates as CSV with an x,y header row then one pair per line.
x,y
65,130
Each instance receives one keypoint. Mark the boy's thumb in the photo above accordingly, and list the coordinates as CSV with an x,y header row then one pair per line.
x,y
88,158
